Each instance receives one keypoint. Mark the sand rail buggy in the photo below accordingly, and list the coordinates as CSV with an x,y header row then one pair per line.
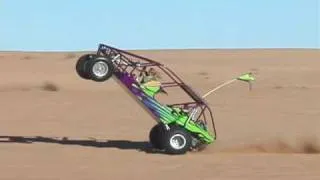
x,y
181,126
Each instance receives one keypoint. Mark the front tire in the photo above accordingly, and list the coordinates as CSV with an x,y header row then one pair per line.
x,y
177,140
100,69
82,65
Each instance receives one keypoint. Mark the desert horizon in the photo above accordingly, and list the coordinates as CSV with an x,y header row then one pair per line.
x,y
55,125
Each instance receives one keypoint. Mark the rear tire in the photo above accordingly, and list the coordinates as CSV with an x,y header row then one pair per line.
x,y
177,140
82,65
100,69
155,136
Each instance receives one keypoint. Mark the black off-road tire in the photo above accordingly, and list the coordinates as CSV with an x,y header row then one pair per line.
x,y
177,133
156,135
82,67
105,64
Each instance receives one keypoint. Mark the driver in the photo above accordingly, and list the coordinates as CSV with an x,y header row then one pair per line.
x,y
150,83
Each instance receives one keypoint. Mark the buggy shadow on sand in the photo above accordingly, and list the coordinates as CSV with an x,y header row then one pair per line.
x,y
119,144
181,126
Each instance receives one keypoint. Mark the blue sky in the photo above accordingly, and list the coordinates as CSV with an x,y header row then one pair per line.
x,y
70,25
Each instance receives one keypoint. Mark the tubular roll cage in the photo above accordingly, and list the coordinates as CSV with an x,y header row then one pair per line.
x,y
125,61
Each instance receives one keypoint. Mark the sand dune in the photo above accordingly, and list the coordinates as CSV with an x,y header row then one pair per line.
x,y
55,125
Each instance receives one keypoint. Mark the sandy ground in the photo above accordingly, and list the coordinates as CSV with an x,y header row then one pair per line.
x,y
55,125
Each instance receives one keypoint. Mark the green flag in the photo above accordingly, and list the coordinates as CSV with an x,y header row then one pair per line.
x,y
247,77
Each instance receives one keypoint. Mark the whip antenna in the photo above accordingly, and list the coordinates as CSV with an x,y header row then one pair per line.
x,y
247,77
